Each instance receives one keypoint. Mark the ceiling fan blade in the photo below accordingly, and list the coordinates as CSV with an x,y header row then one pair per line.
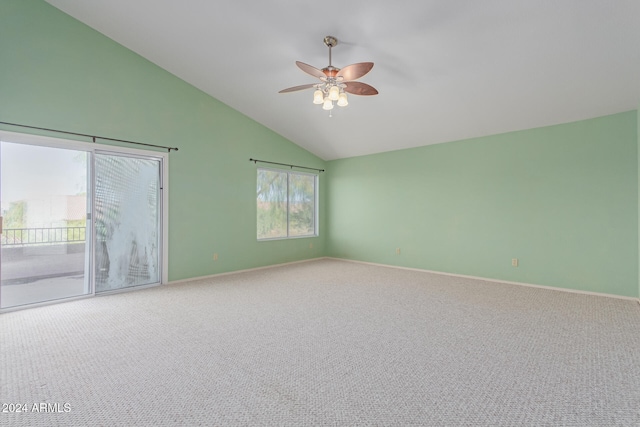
x,y
295,88
310,70
359,88
355,71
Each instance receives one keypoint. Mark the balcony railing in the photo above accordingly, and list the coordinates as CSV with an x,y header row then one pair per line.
x,y
42,236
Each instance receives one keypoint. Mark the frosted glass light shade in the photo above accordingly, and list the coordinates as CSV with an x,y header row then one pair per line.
x,y
328,104
342,100
318,97
334,92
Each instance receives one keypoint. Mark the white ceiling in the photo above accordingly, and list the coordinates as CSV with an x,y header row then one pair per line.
x,y
445,69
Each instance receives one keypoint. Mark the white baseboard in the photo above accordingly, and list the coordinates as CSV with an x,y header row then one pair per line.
x,y
191,279
487,279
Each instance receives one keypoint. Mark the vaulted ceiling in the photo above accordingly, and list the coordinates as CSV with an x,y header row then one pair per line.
x,y
446,69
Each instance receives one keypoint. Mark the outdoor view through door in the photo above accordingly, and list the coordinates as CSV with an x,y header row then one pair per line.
x,y
45,251
49,194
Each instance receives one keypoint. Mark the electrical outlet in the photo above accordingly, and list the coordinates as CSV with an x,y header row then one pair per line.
x,y
215,256
514,262
397,251
310,245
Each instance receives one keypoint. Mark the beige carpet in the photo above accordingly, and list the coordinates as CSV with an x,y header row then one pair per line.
x,y
325,343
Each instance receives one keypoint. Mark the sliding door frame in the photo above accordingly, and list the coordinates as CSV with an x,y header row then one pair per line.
x,y
92,148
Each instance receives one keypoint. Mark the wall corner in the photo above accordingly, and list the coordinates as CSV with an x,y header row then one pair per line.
x,y
638,184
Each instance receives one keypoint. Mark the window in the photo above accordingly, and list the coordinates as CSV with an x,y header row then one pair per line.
x,y
286,203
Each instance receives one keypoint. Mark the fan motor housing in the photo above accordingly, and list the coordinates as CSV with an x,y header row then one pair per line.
x,y
330,71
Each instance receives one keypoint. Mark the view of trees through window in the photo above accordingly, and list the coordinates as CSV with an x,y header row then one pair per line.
x,y
286,204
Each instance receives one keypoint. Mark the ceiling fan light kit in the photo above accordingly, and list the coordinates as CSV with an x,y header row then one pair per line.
x,y
335,82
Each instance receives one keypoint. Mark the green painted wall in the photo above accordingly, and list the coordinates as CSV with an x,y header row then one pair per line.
x,y
562,199
56,72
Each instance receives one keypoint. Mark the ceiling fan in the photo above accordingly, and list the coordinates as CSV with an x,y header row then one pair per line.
x,y
335,82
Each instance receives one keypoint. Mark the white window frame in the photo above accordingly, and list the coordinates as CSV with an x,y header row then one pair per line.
x,y
316,182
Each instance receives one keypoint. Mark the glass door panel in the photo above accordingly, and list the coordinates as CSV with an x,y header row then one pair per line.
x,y
45,251
127,221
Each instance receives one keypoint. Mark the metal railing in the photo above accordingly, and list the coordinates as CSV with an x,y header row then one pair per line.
x,y
42,236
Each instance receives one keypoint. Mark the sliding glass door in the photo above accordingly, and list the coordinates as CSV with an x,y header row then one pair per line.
x,y
45,254
77,220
